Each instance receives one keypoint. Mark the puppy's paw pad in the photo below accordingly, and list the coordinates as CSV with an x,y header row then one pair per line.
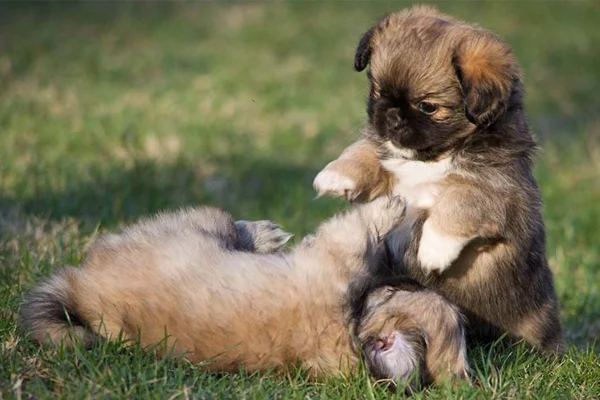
x,y
332,183
262,236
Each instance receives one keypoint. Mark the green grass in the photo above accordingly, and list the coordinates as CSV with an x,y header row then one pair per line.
x,y
109,112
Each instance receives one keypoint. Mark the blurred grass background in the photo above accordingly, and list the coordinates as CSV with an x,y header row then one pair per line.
x,y
109,111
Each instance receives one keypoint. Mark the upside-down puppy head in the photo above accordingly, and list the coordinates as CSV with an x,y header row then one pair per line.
x,y
434,80
407,333
392,345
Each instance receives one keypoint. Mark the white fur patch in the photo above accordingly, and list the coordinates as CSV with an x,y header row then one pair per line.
x,y
437,250
400,361
334,184
418,181
400,152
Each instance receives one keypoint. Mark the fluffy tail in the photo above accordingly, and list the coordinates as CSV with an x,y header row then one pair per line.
x,y
50,315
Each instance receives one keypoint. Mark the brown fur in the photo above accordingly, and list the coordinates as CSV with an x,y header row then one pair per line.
x,y
365,169
433,315
198,277
446,120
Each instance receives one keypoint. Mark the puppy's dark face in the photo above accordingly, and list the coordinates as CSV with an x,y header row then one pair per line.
x,y
433,80
423,120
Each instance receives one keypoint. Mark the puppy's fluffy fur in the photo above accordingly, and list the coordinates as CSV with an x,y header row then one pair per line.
x,y
446,129
210,284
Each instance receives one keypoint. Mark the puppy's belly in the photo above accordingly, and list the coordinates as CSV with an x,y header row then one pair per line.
x,y
260,318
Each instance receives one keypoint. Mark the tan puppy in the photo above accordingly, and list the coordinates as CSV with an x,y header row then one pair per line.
x,y
201,278
446,129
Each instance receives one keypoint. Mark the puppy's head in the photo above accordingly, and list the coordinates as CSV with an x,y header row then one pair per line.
x,y
406,333
434,80
392,345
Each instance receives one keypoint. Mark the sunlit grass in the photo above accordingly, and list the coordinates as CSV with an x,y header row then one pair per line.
x,y
112,111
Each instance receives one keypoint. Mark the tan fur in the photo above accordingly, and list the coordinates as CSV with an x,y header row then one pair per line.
x,y
485,61
474,228
361,162
188,277
531,326
436,316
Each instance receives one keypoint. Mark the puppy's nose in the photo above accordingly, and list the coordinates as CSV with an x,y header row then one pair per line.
x,y
395,120
396,124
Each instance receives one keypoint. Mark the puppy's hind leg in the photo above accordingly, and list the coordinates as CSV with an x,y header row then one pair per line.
x,y
257,236
209,222
261,236
206,220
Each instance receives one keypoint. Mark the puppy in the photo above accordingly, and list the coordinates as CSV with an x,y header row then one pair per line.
x,y
446,129
224,295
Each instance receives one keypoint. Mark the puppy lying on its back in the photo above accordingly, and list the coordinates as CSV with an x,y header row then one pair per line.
x,y
208,283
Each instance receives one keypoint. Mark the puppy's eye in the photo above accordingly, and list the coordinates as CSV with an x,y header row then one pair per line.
x,y
427,107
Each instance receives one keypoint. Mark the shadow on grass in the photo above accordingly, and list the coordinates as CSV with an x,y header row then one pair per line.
x,y
248,188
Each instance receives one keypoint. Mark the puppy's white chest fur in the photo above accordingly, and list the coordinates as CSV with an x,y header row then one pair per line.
x,y
418,182
421,184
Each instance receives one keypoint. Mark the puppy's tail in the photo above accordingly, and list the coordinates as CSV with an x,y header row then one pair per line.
x,y
50,314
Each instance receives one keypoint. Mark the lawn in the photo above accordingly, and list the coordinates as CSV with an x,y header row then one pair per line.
x,y
113,111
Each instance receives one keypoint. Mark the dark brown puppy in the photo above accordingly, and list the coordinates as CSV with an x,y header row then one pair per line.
x,y
446,129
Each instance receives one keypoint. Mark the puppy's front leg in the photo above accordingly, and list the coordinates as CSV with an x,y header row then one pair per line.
x,y
356,175
350,237
438,247
461,215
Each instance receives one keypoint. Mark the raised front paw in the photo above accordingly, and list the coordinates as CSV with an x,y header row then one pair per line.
x,y
261,236
437,251
332,182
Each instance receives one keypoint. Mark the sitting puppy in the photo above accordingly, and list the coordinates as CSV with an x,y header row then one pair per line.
x,y
212,285
446,129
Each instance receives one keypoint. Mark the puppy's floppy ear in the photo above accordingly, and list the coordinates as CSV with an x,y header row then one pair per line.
x,y
363,51
487,71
